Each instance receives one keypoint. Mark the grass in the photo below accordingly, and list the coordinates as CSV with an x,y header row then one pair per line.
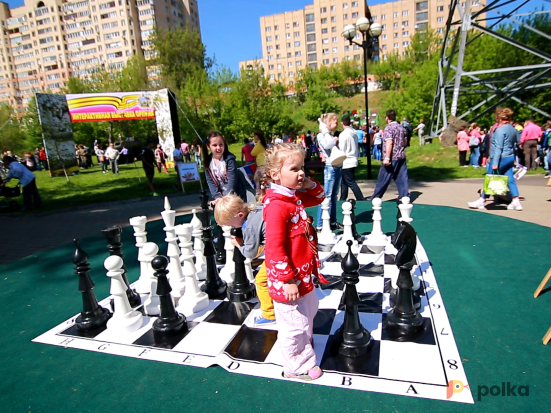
x,y
430,162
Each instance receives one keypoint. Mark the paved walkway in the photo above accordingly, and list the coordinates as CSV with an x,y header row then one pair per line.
x,y
24,235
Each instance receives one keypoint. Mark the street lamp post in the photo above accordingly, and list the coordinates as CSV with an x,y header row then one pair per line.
x,y
369,31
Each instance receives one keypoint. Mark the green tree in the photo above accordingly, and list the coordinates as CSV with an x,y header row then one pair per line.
x,y
11,136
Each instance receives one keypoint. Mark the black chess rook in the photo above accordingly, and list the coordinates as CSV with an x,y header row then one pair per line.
x,y
170,322
241,289
93,316
114,245
214,286
404,320
354,339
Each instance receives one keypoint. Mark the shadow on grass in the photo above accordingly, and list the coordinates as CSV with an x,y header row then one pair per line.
x,y
432,173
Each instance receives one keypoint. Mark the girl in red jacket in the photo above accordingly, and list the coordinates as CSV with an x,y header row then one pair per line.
x,y
291,256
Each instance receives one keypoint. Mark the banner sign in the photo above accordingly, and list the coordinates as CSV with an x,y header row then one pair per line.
x,y
187,171
86,107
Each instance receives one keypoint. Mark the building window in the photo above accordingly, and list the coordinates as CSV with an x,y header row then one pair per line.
x,y
276,27
287,25
335,39
395,15
291,74
333,19
312,57
356,57
312,47
290,64
277,37
297,44
310,37
325,41
395,35
440,20
278,56
396,45
270,48
310,28
269,38
440,8
279,66
299,63
288,35
295,24
354,4
324,20
333,8
335,49
288,45
270,57
405,24
384,36
323,10
383,16
423,5
345,16
272,77
268,29
271,67
404,13
354,15
325,51
289,55
333,29
384,47
421,26
297,34
346,48
395,25
440,30
405,44
297,53
335,60
405,34
345,5
310,18
325,61
323,31
421,16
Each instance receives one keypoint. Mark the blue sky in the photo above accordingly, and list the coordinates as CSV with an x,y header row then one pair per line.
x,y
225,24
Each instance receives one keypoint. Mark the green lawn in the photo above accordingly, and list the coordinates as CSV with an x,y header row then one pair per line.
x,y
425,163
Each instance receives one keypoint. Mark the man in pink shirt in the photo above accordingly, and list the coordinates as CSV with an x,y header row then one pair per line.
x,y
185,151
531,134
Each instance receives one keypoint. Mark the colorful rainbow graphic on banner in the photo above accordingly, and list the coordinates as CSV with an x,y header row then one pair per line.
x,y
94,107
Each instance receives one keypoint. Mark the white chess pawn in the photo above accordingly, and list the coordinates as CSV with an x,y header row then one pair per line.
x,y
198,247
326,236
152,305
138,223
228,272
347,235
405,210
377,240
193,300
125,319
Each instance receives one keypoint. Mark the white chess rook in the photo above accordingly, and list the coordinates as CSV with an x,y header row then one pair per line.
x,y
198,247
152,305
138,223
377,240
405,210
326,236
347,235
228,272
193,300
125,319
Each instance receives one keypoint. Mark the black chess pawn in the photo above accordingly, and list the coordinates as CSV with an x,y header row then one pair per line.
x,y
355,234
219,245
93,316
404,321
354,339
241,289
170,322
214,286
114,245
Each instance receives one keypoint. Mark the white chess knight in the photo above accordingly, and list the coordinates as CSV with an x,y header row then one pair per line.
x,y
198,247
347,235
152,305
138,223
405,210
326,236
228,272
377,240
125,319
193,300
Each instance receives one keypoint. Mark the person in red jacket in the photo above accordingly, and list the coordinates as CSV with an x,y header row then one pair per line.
x,y
291,256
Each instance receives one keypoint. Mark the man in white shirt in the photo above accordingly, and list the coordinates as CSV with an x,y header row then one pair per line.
x,y
348,143
113,155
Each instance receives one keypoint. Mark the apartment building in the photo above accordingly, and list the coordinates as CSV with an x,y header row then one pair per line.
x,y
44,43
313,36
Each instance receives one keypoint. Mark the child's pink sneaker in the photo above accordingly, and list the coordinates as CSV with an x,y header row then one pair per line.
x,y
312,374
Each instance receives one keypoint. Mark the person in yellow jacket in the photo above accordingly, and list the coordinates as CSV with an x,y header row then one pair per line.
x,y
258,152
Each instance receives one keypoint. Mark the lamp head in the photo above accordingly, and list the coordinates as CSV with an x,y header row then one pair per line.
x,y
375,30
362,24
349,31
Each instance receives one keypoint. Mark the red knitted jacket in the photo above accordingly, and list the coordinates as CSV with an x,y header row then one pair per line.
x,y
289,240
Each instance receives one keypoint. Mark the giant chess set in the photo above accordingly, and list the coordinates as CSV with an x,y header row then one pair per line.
x,y
381,324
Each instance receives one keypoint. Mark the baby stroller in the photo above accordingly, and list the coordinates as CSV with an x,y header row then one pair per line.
x,y
9,192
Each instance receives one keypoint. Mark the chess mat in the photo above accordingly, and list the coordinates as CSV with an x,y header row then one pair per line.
x,y
224,334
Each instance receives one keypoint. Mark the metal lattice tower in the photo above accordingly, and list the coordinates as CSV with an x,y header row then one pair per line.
x,y
493,86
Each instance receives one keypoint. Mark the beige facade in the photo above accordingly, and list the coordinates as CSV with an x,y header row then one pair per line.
x,y
44,43
313,36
